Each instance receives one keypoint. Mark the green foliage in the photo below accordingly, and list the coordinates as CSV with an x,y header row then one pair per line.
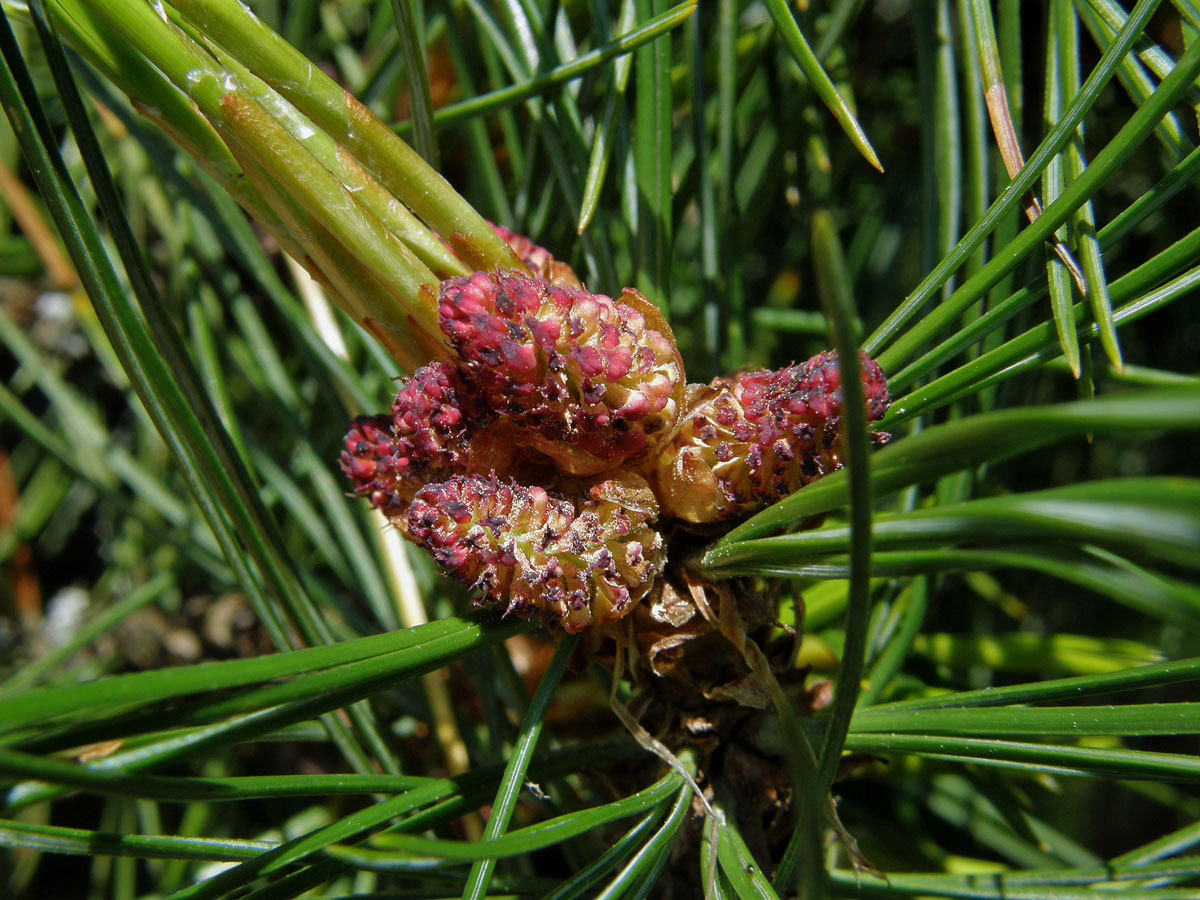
x,y
1005,596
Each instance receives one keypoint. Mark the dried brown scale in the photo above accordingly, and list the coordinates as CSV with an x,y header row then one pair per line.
x,y
753,439
576,563
590,383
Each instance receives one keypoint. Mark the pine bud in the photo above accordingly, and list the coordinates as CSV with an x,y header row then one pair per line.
x,y
751,440
541,556
590,383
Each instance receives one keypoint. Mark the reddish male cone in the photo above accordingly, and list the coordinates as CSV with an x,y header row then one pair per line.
x,y
369,461
751,440
576,563
537,259
586,379
426,439
550,385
